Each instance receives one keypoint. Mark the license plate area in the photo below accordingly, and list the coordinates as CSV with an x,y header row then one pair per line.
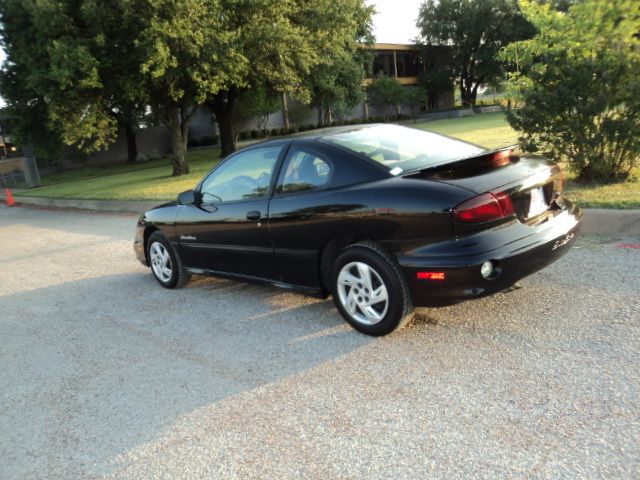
x,y
537,202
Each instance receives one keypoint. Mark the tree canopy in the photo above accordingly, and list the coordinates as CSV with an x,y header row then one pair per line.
x,y
84,67
282,42
576,91
474,31
60,57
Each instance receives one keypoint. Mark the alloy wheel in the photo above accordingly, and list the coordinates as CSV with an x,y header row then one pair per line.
x,y
362,293
161,262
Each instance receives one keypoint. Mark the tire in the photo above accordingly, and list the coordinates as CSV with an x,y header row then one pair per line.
x,y
166,266
359,274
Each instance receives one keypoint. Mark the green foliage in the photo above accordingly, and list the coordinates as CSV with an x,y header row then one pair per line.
x,y
387,94
283,44
336,87
298,114
89,66
475,31
64,82
578,87
256,105
436,80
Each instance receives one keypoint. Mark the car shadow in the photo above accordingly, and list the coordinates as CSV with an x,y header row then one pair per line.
x,y
91,368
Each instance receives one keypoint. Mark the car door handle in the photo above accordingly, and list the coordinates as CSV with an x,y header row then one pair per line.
x,y
253,215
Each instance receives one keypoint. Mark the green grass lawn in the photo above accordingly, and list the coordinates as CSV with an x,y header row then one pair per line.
x,y
490,130
153,181
140,181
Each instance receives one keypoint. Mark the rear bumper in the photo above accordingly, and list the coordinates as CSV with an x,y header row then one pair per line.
x,y
521,250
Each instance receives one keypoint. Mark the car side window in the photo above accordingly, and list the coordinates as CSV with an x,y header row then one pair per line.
x,y
303,171
245,176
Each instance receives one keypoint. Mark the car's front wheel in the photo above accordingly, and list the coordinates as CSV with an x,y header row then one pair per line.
x,y
370,291
165,263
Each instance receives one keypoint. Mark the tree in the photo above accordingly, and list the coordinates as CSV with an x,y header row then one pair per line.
x,y
254,105
435,82
61,56
475,31
280,43
388,94
336,85
577,88
189,56
336,88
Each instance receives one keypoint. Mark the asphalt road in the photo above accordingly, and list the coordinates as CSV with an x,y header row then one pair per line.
x,y
103,374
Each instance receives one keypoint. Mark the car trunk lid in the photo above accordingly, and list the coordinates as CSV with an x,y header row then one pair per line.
x,y
531,184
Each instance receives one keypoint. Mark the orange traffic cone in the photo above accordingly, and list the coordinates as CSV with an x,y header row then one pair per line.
x,y
10,201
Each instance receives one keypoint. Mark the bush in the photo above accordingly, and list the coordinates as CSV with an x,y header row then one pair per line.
x,y
254,134
244,135
388,94
583,103
208,140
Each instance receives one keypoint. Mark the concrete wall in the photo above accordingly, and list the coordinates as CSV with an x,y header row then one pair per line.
x,y
152,140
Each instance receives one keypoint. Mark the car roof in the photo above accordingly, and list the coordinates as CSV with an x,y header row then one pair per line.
x,y
316,134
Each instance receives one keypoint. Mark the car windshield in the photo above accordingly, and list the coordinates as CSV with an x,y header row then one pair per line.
x,y
402,149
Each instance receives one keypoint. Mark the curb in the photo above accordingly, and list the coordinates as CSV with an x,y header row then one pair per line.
x,y
119,206
598,221
602,221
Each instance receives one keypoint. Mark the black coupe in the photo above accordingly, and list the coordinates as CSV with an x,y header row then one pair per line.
x,y
383,218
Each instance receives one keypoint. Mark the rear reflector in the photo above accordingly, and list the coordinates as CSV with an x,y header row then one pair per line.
x,y
431,276
484,208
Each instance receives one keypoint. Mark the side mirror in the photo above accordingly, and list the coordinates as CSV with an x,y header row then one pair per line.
x,y
187,198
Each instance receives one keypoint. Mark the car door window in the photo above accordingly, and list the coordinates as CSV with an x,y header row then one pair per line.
x,y
303,171
245,176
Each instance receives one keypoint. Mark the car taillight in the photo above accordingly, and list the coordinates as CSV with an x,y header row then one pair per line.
x,y
484,208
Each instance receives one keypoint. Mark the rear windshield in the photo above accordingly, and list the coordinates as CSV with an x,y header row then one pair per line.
x,y
401,149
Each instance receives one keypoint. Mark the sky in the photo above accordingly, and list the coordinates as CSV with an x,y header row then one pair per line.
x,y
395,20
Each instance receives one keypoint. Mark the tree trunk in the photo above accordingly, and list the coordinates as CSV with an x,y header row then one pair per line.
x,y
132,147
179,131
468,92
223,106
285,111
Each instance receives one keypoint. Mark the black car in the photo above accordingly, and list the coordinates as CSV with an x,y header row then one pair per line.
x,y
382,217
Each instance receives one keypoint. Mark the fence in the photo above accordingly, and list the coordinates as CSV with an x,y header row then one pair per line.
x,y
19,172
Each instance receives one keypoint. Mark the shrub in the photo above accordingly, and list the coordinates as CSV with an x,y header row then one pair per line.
x,y
388,94
208,140
578,88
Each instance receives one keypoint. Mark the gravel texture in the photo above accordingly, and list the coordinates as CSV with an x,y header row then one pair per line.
x,y
104,374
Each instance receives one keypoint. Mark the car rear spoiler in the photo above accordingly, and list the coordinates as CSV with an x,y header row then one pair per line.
x,y
485,160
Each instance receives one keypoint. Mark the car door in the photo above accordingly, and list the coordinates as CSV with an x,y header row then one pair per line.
x,y
227,230
300,214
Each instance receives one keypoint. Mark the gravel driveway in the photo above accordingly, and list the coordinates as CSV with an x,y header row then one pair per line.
x,y
104,374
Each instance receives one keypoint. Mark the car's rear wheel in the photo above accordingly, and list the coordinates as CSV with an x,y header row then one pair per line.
x,y
370,291
165,263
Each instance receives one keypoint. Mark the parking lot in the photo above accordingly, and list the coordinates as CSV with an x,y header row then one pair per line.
x,y
104,374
